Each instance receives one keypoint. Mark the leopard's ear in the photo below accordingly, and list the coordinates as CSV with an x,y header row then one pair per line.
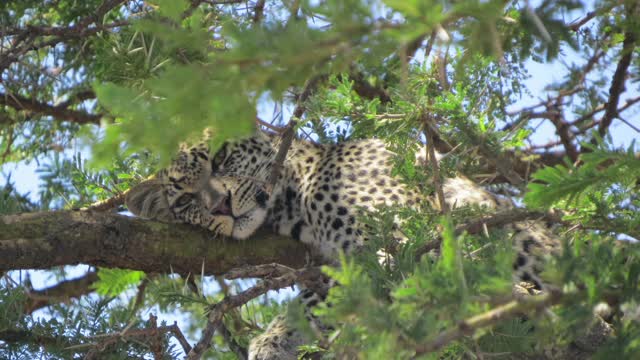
x,y
148,200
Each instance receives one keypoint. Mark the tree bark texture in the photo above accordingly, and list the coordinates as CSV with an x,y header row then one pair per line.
x,y
46,239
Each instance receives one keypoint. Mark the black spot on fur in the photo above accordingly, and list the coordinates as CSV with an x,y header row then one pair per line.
x,y
345,245
261,198
296,230
527,244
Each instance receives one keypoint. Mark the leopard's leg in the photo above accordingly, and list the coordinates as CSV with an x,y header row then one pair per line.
x,y
282,339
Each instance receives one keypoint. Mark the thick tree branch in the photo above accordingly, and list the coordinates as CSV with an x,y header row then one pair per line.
x,y
46,239
66,32
59,112
563,130
28,337
60,292
617,84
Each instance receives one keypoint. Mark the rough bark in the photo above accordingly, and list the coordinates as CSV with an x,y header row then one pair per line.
x,y
46,239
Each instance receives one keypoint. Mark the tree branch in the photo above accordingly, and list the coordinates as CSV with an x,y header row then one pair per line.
x,y
46,239
218,310
619,77
151,334
289,131
68,32
24,39
60,292
29,337
429,132
509,310
60,112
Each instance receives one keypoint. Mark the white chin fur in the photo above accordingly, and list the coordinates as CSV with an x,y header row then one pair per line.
x,y
248,223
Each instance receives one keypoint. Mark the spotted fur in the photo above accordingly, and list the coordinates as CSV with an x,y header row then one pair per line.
x,y
316,200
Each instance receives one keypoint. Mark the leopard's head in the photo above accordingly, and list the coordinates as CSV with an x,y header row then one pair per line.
x,y
225,193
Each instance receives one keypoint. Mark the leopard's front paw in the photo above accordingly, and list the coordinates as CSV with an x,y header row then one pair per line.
x,y
221,225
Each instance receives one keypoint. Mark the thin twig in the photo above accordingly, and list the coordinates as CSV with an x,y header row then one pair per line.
x,y
258,271
476,226
509,310
218,310
289,131
107,340
431,156
576,25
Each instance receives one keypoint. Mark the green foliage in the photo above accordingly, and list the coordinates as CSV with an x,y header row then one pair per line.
x,y
12,202
601,192
51,336
112,282
600,170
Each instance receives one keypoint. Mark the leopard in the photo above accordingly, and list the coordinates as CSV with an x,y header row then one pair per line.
x,y
319,194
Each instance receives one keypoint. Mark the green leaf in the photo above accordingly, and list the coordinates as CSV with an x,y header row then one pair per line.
x,y
173,9
112,282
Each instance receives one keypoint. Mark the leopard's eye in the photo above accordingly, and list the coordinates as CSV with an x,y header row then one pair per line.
x,y
218,158
184,199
